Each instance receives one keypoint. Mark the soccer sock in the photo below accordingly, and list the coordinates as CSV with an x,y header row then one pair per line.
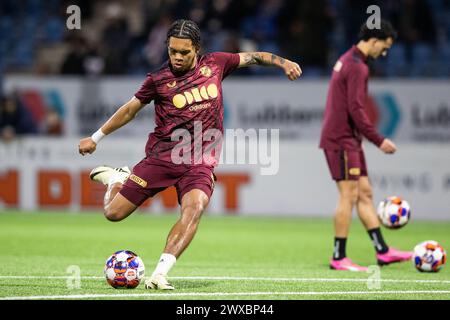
x,y
339,248
378,240
165,263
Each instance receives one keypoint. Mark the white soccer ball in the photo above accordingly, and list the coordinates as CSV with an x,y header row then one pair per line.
x,y
429,256
394,212
124,269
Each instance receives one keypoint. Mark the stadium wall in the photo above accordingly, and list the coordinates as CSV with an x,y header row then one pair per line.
x,y
38,172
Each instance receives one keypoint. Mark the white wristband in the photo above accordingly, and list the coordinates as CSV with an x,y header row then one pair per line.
x,y
97,136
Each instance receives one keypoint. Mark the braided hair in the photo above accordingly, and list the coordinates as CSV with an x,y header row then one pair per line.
x,y
185,29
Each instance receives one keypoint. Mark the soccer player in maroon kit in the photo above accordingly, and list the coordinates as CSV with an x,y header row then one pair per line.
x,y
345,122
187,91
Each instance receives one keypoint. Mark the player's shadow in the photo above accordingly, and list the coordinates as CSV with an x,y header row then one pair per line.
x,y
192,284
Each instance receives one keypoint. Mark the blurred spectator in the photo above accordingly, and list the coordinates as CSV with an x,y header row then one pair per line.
x,y
262,24
414,22
156,48
219,16
196,11
232,13
74,63
417,33
305,36
82,58
313,32
115,40
14,119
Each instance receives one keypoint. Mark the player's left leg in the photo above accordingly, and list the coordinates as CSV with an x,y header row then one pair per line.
x,y
180,236
348,195
194,189
339,163
368,216
193,204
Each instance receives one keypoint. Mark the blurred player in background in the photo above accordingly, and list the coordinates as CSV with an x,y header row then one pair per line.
x,y
186,89
345,122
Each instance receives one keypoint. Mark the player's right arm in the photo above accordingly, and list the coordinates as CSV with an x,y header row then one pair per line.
x,y
121,117
291,69
357,94
387,146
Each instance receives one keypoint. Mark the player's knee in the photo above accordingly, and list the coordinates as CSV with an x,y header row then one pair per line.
x,y
194,209
350,196
197,207
113,214
366,194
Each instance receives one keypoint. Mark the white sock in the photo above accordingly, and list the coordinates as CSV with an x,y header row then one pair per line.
x,y
165,263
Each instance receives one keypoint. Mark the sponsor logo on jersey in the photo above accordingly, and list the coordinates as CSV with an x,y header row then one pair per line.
x,y
206,71
172,84
200,106
195,95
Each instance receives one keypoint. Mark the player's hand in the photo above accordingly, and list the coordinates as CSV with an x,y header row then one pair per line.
x,y
292,70
387,146
86,146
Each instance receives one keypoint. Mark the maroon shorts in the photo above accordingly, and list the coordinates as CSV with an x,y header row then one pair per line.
x,y
346,164
151,176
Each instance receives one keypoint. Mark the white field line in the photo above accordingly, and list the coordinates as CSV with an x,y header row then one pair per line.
x,y
247,279
212,294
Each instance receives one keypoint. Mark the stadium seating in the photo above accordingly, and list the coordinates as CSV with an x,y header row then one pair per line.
x,y
32,25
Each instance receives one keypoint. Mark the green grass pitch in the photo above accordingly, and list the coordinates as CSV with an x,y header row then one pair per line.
x,y
231,257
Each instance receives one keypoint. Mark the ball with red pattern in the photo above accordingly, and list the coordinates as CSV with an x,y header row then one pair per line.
x,y
124,269
394,212
429,256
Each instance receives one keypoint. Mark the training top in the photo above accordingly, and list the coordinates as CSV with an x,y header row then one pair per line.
x,y
188,106
345,119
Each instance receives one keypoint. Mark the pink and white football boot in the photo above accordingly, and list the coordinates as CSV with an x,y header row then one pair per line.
x,y
346,264
393,255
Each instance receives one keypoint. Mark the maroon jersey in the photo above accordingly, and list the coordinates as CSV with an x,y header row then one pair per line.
x,y
345,119
181,101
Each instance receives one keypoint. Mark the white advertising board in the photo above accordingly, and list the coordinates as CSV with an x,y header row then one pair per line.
x,y
42,173
406,111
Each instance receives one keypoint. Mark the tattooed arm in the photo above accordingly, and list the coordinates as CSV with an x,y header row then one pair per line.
x,y
291,69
